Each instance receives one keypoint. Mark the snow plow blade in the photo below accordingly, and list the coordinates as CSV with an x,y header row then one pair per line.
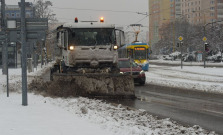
x,y
92,85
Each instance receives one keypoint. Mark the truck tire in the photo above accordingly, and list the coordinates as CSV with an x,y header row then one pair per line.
x,y
63,67
142,83
115,69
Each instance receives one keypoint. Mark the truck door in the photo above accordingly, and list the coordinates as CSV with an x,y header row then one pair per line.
x,y
120,38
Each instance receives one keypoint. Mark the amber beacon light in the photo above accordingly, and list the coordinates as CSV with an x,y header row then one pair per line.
x,y
102,19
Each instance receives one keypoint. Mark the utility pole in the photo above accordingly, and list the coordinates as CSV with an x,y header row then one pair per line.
x,y
173,36
4,45
24,56
204,54
181,50
41,53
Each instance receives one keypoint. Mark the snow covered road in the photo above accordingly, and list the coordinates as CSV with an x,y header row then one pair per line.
x,y
190,77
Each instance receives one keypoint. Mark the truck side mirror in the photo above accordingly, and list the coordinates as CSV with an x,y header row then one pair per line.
x,y
122,35
120,38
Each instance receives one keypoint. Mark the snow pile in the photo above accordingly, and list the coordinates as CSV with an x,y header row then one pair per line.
x,y
15,79
123,120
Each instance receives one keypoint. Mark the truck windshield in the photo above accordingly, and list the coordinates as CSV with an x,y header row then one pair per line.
x,y
91,37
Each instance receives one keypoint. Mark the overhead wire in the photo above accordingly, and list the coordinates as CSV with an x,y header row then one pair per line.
x,y
98,10
116,11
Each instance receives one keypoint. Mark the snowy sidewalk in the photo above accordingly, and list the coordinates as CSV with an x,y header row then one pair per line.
x,y
41,118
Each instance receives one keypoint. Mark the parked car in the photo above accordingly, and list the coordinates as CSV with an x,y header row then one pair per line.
x,y
137,72
168,57
215,58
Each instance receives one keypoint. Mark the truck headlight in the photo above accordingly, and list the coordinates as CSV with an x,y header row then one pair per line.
x,y
115,47
71,48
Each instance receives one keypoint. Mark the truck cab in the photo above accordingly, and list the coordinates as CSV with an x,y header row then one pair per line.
x,y
89,45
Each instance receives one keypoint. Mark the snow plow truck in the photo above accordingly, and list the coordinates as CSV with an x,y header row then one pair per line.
x,y
88,61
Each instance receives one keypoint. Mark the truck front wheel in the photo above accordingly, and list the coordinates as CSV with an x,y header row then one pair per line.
x,y
63,67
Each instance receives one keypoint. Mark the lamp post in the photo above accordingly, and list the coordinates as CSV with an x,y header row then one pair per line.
x,y
42,52
4,43
24,56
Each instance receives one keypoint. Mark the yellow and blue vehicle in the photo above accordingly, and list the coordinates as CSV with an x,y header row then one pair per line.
x,y
137,51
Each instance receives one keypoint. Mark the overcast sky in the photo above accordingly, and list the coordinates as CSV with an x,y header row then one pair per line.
x,y
62,8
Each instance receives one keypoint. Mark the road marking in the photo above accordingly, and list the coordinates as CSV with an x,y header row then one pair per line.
x,y
212,111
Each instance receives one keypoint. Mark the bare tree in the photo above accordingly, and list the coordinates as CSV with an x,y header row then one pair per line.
x,y
42,10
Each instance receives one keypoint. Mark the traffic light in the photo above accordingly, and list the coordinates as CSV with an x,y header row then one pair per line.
x,y
206,47
180,44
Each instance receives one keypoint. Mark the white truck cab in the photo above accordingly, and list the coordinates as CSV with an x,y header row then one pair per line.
x,y
89,45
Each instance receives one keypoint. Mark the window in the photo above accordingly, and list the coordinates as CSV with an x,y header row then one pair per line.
x,y
12,15
212,8
27,15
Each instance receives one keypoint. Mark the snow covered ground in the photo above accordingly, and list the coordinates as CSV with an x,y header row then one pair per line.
x,y
190,77
83,116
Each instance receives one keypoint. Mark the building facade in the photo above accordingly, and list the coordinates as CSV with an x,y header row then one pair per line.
x,y
220,10
194,11
198,11
159,14
13,11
